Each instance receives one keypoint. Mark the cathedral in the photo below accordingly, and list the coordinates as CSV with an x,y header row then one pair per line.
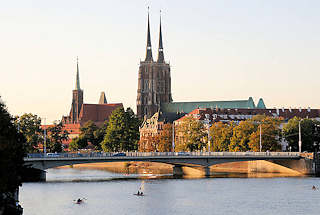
x,y
154,88
154,80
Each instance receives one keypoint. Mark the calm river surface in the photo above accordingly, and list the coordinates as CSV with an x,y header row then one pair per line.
x,y
109,193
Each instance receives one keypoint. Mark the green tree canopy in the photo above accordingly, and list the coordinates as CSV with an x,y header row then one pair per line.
x,y
270,135
56,135
308,136
191,135
78,143
241,134
221,134
30,126
122,133
12,151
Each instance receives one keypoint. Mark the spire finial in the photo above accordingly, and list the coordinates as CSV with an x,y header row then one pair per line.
x,y
149,50
77,78
160,50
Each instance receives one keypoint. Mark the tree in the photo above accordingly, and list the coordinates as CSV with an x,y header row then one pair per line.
x,y
78,143
55,137
12,151
191,134
221,134
241,134
30,126
165,139
270,134
308,136
87,132
99,135
122,133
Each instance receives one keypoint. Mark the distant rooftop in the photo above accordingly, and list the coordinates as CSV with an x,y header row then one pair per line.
x,y
187,107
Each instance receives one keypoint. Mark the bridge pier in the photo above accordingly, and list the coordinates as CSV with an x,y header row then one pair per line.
x,y
177,171
33,175
316,160
206,170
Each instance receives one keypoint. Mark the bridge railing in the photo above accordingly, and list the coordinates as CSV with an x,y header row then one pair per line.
x,y
161,154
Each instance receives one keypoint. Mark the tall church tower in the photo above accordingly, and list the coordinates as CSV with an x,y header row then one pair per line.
x,y
154,80
77,99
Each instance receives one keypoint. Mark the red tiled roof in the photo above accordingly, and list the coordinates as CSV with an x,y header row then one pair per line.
x,y
98,113
234,114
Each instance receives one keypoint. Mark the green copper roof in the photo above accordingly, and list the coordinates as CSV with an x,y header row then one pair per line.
x,y
190,106
261,104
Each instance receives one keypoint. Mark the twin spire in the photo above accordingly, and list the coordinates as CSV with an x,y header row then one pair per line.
x,y
149,49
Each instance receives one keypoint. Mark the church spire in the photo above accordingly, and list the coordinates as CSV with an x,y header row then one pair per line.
x,y
149,50
160,50
78,79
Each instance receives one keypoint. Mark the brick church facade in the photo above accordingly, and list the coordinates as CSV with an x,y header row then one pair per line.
x,y
80,113
154,80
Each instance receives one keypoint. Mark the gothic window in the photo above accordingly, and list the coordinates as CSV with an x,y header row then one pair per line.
x,y
161,86
146,85
145,111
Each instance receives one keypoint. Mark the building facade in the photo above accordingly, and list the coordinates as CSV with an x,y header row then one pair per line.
x,y
154,80
80,112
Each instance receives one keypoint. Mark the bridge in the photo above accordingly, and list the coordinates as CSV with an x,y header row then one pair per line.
x,y
202,160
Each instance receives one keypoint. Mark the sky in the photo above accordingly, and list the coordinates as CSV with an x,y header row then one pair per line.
x,y
217,49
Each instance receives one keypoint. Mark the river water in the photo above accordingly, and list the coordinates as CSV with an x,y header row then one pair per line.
x,y
109,193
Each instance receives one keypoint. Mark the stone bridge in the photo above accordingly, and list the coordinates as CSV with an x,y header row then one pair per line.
x,y
199,160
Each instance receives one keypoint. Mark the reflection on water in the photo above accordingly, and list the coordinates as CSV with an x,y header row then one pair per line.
x,y
111,193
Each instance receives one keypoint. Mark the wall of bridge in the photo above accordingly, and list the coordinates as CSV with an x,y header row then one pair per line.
x,y
184,164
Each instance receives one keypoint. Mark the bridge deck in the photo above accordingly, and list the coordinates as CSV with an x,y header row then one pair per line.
x,y
162,155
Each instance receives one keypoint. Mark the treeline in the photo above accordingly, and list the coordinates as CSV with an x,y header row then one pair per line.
x,y
12,152
120,133
192,135
29,125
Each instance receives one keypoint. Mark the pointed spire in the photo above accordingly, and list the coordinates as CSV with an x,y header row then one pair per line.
x,y
103,99
160,50
78,79
149,49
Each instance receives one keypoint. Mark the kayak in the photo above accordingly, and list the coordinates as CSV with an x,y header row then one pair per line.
x,y
136,194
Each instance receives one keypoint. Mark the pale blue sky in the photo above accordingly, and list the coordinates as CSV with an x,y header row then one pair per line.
x,y
218,50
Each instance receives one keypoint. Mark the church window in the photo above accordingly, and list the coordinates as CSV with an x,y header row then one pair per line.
x,y
146,85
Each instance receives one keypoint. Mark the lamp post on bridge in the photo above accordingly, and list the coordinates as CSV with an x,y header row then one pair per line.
x,y
45,138
207,121
300,142
173,145
260,144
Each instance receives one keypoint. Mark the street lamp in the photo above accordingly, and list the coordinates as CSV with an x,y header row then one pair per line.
x,y
45,138
300,142
209,125
260,139
173,136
